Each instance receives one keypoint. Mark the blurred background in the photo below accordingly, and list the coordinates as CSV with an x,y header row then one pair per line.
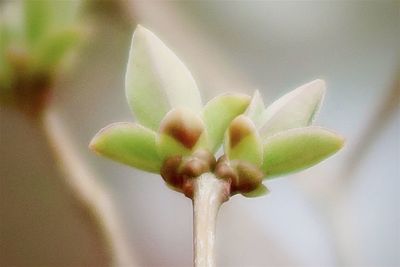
x,y
343,212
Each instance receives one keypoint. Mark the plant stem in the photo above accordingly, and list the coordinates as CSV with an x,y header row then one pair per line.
x,y
209,193
81,183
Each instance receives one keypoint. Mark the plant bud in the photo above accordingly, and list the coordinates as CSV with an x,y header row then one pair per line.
x,y
183,126
194,167
250,177
224,171
170,171
207,157
240,128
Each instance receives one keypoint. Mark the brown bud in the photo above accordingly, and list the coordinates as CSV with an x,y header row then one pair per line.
x,y
187,188
170,171
239,129
206,156
194,167
250,176
183,126
30,91
222,159
224,171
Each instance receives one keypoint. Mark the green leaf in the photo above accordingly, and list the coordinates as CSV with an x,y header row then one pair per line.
x,y
37,19
45,16
181,133
168,146
261,190
219,112
295,109
50,51
128,143
242,141
156,80
297,149
255,109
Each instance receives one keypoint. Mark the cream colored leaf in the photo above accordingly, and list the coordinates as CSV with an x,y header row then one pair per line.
x,y
156,80
295,109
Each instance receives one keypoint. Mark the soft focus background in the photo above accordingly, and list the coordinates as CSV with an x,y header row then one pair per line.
x,y
343,212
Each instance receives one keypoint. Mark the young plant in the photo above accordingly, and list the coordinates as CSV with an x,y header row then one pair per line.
x,y
177,137
36,38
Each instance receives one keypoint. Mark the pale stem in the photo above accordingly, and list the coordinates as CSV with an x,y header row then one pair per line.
x,y
209,193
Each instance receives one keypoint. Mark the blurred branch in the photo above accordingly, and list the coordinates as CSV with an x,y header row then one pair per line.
x,y
376,125
330,206
91,197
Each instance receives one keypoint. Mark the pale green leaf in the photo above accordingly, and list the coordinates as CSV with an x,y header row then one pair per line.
x,y
219,112
242,141
45,16
297,149
256,109
181,133
261,190
37,19
295,109
128,143
156,80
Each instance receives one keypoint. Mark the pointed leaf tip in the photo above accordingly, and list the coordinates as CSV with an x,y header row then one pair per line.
x,y
299,148
219,112
128,143
156,80
295,109
255,109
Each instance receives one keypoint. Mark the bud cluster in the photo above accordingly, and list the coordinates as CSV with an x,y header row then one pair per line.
x,y
243,176
179,172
